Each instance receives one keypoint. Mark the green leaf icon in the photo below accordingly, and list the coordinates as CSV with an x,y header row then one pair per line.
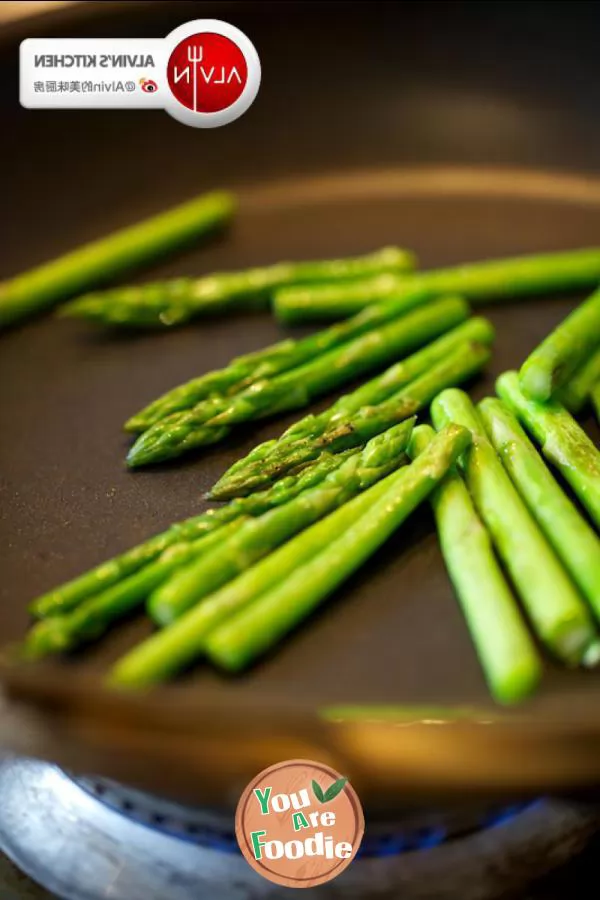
x,y
318,791
334,789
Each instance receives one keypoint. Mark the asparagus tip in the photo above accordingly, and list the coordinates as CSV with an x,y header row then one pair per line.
x,y
86,307
144,451
135,425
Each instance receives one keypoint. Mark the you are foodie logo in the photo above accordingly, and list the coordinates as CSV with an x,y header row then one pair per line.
x,y
205,73
299,823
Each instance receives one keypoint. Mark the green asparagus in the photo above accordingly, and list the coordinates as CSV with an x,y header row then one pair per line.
x,y
459,365
104,259
176,646
180,644
562,352
259,536
379,389
478,282
577,392
255,629
574,541
244,371
94,616
181,432
559,616
174,302
508,656
71,594
562,441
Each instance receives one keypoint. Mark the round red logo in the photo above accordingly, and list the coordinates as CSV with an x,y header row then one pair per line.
x,y
212,73
207,72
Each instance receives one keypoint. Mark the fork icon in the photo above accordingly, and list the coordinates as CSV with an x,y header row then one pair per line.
x,y
195,55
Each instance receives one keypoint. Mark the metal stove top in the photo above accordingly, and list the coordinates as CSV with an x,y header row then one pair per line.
x,y
90,839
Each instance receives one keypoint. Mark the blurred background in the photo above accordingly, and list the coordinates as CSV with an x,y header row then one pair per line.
x,y
409,83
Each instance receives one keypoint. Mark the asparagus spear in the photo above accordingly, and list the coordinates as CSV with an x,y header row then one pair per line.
x,y
507,654
478,282
255,629
562,441
175,647
95,615
179,300
259,536
246,370
379,389
559,355
574,542
577,392
109,257
181,432
69,595
560,618
459,365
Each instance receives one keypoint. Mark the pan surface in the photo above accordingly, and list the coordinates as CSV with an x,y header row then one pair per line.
x,y
394,633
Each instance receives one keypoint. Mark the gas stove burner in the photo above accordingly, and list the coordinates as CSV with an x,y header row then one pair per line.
x,y
213,831
91,839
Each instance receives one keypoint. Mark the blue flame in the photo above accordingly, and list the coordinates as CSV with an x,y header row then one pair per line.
x,y
386,845
377,846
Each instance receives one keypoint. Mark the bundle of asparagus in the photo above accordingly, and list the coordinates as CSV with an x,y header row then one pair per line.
x,y
574,541
559,615
290,374
239,623
232,541
209,420
70,595
375,404
307,509
508,655
359,443
259,536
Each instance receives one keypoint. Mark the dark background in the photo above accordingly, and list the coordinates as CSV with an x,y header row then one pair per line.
x,y
344,85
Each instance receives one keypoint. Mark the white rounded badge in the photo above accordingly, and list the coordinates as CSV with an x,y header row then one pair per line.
x,y
213,73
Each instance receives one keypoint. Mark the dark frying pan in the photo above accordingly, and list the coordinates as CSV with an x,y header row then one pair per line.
x,y
461,130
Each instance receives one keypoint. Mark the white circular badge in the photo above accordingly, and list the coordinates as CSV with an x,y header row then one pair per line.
x,y
213,73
